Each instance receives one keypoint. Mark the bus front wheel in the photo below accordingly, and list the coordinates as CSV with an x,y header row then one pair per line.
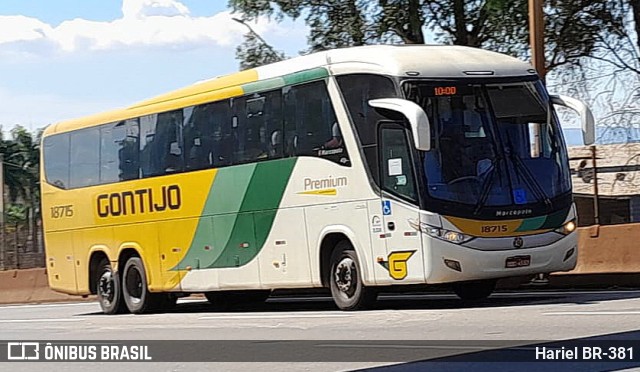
x,y
474,290
345,280
109,290
135,290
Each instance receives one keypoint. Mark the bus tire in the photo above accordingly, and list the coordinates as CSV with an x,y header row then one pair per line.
x,y
135,290
474,290
109,290
345,280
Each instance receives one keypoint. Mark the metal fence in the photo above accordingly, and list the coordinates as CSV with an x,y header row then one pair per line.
x,y
21,246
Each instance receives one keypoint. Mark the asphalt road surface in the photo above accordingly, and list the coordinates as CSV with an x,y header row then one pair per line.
x,y
521,319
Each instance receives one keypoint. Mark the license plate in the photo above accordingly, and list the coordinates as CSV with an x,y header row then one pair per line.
x,y
517,261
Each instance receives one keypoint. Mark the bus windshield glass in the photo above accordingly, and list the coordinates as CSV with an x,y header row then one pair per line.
x,y
493,145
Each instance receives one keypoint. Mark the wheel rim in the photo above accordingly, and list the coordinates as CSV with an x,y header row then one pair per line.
x,y
133,282
346,276
106,287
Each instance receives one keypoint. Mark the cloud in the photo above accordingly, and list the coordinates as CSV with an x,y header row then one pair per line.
x,y
148,8
144,23
21,28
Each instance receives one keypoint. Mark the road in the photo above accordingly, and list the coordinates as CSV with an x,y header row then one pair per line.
x,y
514,316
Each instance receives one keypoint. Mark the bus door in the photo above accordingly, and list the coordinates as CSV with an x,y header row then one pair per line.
x,y
399,203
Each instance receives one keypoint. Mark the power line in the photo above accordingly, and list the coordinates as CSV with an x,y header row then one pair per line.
x,y
582,80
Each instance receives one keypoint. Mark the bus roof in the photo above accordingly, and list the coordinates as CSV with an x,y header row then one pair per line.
x,y
433,61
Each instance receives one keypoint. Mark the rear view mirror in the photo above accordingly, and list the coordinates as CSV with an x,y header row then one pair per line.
x,y
416,116
586,117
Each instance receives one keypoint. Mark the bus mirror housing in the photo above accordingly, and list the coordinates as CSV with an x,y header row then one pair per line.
x,y
586,117
416,116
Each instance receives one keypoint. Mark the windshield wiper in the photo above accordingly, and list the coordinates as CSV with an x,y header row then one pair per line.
x,y
527,176
486,186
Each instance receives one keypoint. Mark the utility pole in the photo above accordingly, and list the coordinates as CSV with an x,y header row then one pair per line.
x,y
3,254
536,36
536,39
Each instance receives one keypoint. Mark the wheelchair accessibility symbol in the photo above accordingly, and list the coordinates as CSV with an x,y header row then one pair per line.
x,y
520,196
386,207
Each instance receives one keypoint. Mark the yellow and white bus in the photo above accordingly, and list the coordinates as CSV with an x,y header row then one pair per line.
x,y
353,169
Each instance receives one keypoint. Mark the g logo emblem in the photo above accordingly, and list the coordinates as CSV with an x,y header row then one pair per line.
x,y
397,264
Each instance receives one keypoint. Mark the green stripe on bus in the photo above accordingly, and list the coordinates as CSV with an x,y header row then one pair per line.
x,y
224,201
291,79
238,214
263,197
556,219
307,75
532,223
263,85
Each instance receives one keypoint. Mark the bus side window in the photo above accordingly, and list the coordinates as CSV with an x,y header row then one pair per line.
x,y
196,133
148,156
223,140
311,128
395,161
56,160
119,151
160,143
357,90
85,154
258,120
129,154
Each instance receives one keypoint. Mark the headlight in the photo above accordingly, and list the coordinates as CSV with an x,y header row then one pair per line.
x,y
567,228
446,235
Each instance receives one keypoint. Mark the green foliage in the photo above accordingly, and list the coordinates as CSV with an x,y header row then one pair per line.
x,y
253,52
16,213
21,156
574,29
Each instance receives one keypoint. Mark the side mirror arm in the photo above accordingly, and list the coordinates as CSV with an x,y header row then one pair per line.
x,y
418,120
586,116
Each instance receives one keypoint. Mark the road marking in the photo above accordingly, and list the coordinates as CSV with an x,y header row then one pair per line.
x,y
47,305
41,320
611,312
476,348
392,346
271,316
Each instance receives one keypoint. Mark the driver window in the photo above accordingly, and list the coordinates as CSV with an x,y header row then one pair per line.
x,y
395,163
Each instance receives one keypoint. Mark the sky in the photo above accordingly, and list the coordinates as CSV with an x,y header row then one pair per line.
x,y
62,59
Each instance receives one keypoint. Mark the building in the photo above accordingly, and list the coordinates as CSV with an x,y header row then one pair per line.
x,y
618,194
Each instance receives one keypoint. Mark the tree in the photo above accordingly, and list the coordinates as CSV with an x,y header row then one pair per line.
x,y
255,51
21,174
22,159
573,27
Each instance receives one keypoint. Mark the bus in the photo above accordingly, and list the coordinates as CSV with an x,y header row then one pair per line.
x,y
356,169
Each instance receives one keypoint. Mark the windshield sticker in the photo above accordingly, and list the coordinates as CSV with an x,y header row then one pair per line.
x,y
519,196
401,180
395,167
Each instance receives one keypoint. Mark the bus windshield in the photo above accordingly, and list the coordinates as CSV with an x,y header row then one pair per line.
x,y
493,145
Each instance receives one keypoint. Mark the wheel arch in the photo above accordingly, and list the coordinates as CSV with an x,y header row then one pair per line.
x,y
329,238
96,256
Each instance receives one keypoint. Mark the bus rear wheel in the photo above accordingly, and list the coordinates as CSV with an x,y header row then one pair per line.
x,y
474,290
345,280
135,290
108,289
